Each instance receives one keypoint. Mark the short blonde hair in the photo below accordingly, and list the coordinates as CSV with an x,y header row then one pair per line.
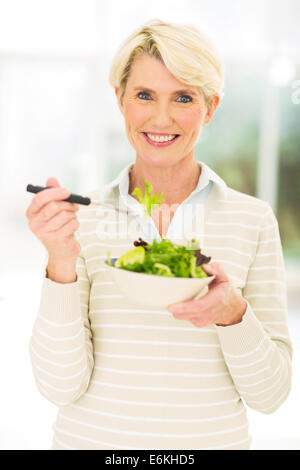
x,y
186,52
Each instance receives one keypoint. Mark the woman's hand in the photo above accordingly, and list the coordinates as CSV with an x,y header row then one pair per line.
x,y
222,305
53,221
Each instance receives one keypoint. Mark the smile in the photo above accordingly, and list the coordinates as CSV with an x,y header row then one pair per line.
x,y
160,141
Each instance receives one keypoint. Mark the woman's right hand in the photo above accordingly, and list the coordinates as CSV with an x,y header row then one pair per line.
x,y
53,221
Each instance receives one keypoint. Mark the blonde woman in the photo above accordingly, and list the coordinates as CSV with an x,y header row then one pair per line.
x,y
129,377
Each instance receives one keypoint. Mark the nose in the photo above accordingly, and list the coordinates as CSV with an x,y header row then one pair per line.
x,y
162,116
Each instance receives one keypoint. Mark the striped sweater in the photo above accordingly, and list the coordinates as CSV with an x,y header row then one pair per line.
x,y
128,377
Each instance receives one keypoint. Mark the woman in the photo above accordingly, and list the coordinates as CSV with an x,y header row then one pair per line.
x,y
127,377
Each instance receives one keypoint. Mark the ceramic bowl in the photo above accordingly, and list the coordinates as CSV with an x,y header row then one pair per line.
x,y
157,291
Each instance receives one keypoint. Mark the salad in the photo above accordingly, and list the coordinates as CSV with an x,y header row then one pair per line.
x,y
163,258
147,200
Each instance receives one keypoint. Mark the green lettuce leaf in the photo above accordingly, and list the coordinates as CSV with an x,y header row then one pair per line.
x,y
147,200
164,258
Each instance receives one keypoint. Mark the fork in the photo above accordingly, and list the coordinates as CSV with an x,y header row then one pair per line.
x,y
77,199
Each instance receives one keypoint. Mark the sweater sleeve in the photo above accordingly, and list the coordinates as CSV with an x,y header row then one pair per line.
x,y
258,350
60,347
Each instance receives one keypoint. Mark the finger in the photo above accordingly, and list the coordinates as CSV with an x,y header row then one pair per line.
x,y
217,270
208,302
53,208
60,220
68,229
43,197
188,315
202,317
198,319
52,183
201,322
185,309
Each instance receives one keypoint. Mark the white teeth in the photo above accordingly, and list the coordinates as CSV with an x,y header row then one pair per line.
x,y
163,138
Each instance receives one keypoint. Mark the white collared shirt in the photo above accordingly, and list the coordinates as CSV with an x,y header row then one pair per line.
x,y
180,224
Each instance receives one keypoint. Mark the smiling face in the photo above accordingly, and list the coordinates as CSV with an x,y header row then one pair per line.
x,y
163,110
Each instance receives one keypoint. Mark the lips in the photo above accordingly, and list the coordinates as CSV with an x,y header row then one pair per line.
x,y
160,144
160,133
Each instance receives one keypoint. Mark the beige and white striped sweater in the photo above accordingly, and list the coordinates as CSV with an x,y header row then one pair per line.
x,y
128,377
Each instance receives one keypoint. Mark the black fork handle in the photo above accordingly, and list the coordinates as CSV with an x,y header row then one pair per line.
x,y
72,198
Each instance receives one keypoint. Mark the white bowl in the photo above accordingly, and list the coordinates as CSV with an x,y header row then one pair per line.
x,y
157,291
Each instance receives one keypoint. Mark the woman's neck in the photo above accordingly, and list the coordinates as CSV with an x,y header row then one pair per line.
x,y
176,182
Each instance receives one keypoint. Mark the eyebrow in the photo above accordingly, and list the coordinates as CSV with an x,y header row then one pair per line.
x,y
177,92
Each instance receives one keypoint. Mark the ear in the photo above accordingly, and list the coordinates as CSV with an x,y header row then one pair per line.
x,y
212,109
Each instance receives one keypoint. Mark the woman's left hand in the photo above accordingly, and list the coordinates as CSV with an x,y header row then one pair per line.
x,y
222,305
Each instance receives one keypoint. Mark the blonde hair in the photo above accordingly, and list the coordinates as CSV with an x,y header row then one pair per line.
x,y
186,52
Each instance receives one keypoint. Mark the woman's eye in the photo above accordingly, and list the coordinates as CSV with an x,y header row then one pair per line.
x,y
185,96
181,96
142,93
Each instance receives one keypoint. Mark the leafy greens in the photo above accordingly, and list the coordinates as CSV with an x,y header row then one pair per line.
x,y
163,258
147,200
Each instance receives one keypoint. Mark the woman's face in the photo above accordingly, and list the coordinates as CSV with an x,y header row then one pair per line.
x,y
162,111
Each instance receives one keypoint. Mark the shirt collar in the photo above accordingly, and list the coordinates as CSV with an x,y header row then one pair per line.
x,y
122,182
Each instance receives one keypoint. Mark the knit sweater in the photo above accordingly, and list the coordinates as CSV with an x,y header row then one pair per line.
x,y
126,376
